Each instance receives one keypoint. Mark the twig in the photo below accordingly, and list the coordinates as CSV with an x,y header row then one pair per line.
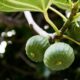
x,y
51,23
71,39
60,14
36,27
69,21
41,31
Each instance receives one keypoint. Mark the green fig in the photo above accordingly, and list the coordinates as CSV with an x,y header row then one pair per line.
x,y
36,46
58,56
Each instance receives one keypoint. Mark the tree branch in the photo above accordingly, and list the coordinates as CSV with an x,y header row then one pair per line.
x,y
36,27
69,21
41,31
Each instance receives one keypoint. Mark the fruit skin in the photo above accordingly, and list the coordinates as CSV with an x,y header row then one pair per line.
x,y
36,46
58,56
74,31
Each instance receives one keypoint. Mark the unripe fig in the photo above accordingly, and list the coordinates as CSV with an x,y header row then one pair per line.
x,y
59,56
36,46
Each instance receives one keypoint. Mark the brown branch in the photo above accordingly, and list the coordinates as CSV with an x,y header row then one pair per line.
x,y
69,21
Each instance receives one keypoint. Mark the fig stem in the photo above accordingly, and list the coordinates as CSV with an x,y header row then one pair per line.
x,y
69,38
60,14
51,23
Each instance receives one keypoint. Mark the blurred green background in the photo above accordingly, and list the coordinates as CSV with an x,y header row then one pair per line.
x,y
14,63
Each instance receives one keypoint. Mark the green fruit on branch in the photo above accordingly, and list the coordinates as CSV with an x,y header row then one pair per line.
x,y
74,31
58,56
36,46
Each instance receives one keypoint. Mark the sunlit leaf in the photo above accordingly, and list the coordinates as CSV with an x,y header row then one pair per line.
x,y
63,4
21,5
79,3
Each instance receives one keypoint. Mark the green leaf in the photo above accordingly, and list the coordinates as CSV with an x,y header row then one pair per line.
x,y
22,5
77,17
79,3
63,4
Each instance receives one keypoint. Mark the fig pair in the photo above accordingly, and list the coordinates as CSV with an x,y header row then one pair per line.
x,y
57,56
